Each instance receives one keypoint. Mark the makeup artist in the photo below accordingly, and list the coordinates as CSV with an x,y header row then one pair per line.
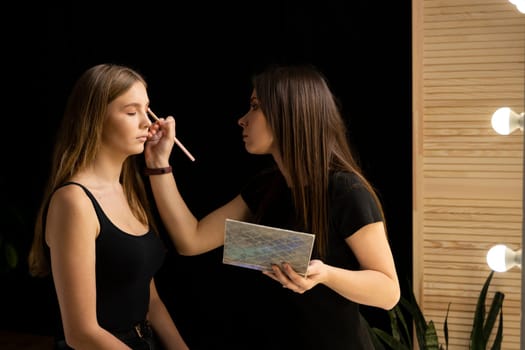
x,y
314,186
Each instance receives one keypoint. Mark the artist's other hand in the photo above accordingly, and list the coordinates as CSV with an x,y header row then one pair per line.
x,y
290,279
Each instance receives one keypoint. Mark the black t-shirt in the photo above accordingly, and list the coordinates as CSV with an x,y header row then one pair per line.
x,y
319,318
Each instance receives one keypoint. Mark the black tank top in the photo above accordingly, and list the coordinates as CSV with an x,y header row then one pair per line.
x,y
125,266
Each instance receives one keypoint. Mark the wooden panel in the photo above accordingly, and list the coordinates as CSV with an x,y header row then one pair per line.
x,y
468,60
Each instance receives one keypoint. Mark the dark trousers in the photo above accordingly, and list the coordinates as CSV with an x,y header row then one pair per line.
x,y
140,337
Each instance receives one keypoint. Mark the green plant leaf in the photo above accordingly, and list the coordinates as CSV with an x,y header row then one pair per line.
x,y
11,255
376,341
445,327
390,340
426,333
497,304
419,320
431,338
392,314
406,334
499,335
477,339
398,326
396,340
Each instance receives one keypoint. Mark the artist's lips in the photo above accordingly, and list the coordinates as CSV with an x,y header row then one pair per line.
x,y
143,138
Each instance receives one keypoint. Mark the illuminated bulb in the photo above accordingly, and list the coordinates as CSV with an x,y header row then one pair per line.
x,y
501,258
505,121
520,5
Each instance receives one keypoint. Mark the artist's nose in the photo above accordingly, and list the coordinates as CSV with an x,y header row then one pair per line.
x,y
243,121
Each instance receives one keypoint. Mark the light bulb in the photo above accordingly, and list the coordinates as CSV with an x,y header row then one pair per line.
x,y
501,258
505,121
521,7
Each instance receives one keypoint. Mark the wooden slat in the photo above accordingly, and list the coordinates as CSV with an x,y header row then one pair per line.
x,y
468,60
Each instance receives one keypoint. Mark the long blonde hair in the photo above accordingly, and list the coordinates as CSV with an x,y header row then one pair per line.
x,y
77,143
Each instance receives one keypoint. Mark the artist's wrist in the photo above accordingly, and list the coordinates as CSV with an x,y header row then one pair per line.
x,y
157,163
158,170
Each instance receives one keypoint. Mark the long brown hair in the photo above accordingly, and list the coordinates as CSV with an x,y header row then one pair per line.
x,y
311,137
77,143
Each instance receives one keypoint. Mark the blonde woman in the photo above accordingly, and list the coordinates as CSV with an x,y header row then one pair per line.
x,y
94,233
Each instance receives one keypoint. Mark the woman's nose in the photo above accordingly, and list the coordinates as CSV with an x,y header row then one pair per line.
x,y
242,121
146,122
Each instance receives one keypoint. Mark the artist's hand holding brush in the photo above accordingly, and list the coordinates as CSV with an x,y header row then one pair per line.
x,y
157,128
160,143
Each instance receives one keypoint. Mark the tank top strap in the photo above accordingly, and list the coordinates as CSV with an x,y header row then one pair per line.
x,y
98,209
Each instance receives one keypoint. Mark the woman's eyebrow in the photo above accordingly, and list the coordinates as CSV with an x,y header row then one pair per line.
x,y
132,104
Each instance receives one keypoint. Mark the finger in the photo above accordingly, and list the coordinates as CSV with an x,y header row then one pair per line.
x,y
271,275
275,278
281,277
302,283
291,274
278,272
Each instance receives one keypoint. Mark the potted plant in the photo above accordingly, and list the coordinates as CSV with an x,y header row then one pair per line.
x,y
426,335
10,234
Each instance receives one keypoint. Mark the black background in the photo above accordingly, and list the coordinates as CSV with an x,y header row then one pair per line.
x,y
198,58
